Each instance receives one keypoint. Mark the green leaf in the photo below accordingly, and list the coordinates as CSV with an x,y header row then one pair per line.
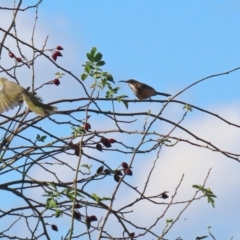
x,y
70,194
212,195
80,195
59,75
106,199
112,91
93,51
84,76
187,107
104,82
100,63
96,197
98,57
43,138
115,90
51,184
51,203
110,77
40,138
78,130
97,74
196,186
93,85
169,220
108,94
87,69
207,192
90,57
202,237
86,166
58,213
125,103
119,98
90,65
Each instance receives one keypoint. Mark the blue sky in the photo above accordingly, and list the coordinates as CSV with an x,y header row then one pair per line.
x,y
168,45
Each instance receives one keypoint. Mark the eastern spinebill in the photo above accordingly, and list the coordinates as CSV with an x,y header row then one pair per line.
x,y
142,90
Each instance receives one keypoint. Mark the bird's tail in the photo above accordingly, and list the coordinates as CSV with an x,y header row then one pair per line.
x,y
35,104
163,94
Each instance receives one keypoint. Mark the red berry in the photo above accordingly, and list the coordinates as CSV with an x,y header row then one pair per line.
x,y
54,228
58,54
118,172
111,140
131,235
77,215
59,48
18,59
76,152
100,170
99,147
11,55
54,57
107,171
78,205
77,149
56,81
70,144
164,195
116,178
93,218
128,172
124,165
87,126
105,142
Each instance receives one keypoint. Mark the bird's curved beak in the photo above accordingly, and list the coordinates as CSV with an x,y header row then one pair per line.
x,y
123,81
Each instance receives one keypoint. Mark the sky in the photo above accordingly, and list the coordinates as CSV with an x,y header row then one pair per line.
x,y
168,45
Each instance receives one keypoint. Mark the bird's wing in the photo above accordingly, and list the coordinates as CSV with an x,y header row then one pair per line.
x,y
6,103
10,96
146,86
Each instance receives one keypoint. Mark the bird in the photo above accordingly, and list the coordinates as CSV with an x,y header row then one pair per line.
x,y
12,94
142,90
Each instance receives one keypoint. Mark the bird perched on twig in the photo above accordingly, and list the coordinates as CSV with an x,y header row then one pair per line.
x,y
12,94
142,90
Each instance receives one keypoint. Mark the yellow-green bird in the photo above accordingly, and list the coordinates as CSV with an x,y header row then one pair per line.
x,y
12,94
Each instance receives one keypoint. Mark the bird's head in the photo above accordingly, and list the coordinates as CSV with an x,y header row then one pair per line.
x,y
3,80
130,81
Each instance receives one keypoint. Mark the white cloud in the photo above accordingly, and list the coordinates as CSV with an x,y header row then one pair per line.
x,y
194,163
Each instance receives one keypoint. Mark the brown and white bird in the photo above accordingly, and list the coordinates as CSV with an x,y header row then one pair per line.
x,y
142,90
